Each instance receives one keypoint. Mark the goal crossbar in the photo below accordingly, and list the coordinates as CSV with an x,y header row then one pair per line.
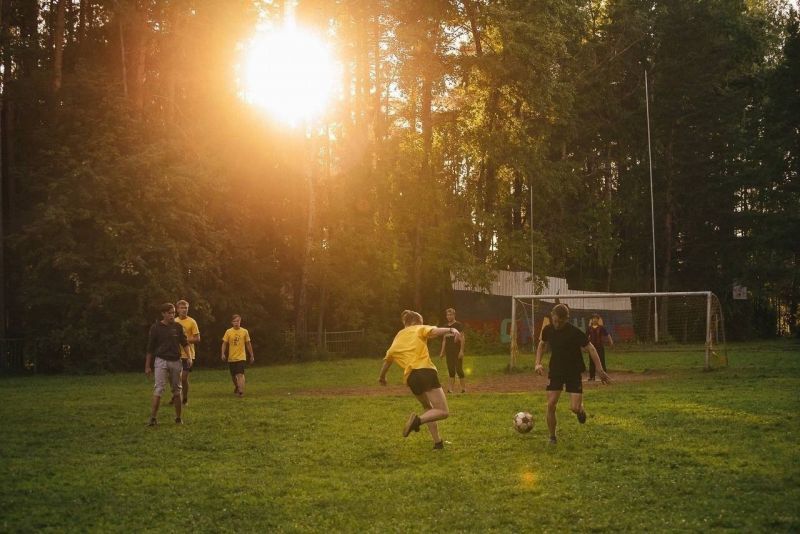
x,y
609,295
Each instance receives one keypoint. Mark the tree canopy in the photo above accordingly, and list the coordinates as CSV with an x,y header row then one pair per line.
x,y
468,136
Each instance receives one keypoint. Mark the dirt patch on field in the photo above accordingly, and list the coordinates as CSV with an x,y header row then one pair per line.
x,y
506,383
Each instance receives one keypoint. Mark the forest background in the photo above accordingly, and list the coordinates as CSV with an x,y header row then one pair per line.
x,y
133,172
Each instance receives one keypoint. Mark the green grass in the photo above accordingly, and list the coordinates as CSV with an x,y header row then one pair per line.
x,y
689,451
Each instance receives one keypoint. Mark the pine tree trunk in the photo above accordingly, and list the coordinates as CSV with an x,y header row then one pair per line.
x,y
82,18
58,43
123,56
30,38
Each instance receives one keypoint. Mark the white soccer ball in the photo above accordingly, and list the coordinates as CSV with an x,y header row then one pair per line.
x,y
523,422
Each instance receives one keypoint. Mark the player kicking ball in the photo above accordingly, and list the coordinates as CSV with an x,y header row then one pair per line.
x,y
409,350
566,365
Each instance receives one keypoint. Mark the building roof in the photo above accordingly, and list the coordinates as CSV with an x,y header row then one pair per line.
x,y
510,283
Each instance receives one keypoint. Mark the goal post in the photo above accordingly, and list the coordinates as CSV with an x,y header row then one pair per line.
x,y
661,319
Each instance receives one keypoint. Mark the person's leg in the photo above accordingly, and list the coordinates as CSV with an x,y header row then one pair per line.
x,y
552,402
432,427
575,389
240,383
435,403
592,369
576,403
233,373
161,377
460,373
175,369
601,351
154,406
185,382
451,371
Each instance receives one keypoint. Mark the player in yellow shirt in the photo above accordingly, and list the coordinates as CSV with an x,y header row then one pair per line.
x,y
192,332
236,341
409,350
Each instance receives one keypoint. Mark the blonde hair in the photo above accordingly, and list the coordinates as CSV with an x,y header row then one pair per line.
x,y
182,302
410,318
450,310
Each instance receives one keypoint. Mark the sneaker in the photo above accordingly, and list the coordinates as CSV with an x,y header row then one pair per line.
x,y
178,421
412,425
449,391
553,440
591,379
438,445
581,415
153,422
463,391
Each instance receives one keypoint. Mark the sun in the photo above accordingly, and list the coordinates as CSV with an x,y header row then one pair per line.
x,y
289,73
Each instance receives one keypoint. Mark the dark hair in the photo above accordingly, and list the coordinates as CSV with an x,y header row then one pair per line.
x,y
167,306
561,310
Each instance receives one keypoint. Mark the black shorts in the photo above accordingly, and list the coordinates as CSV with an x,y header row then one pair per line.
x,y
423,380
455,365
185,365
573,384
236,368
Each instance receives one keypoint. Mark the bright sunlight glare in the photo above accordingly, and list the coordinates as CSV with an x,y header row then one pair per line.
x,y
289,73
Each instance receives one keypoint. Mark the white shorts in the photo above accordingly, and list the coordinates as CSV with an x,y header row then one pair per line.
x,y
167,371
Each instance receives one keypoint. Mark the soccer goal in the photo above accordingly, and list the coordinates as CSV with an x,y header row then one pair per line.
x,y
686,321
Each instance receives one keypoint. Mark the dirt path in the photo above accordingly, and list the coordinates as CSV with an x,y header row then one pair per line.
x,y
505,383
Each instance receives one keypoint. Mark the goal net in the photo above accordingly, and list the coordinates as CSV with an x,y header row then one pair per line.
x,y
690,322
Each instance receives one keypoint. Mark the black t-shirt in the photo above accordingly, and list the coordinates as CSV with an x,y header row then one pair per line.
x,y
565,345
165,340
451,348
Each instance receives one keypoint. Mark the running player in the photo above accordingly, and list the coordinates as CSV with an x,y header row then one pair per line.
x,y
192,332
566,365
409,350
235,342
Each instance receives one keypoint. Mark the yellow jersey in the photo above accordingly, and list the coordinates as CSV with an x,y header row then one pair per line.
x,y
236,339
190,328
409,349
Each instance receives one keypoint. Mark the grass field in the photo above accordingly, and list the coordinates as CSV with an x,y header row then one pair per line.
x,y
687,450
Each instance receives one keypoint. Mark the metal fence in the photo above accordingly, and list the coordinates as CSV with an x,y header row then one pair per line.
x,y
343,342
16,356
338,342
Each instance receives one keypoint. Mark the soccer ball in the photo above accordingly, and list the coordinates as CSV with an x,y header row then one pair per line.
x,y
523,422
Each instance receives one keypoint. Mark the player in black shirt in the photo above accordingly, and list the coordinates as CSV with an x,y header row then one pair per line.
x,y
566,364
454,351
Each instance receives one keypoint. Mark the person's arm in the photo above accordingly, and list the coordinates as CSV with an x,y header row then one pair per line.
x,y
597,365
610,341
463,342
249,347
384,370
222,351
539,351
148,358
441,351
436,332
